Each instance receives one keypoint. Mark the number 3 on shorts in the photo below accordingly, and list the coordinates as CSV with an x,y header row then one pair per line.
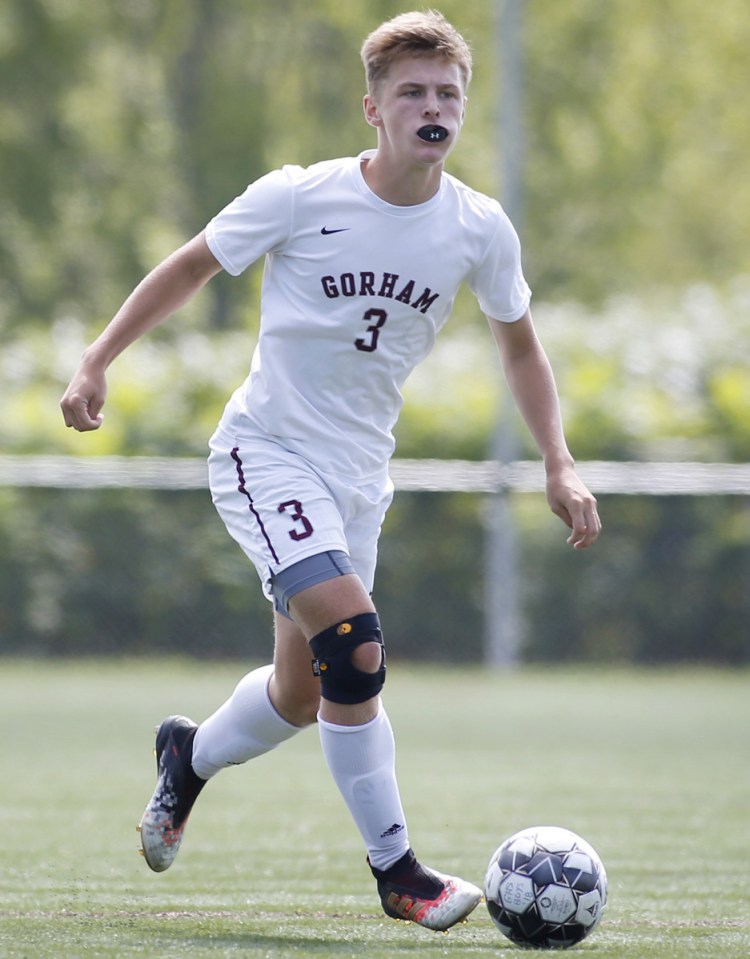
x,y
298,517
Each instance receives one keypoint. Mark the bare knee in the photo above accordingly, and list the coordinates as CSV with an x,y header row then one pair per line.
x,y
298,706
368,657
303,713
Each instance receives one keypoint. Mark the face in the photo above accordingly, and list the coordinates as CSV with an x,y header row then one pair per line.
x,y
418,109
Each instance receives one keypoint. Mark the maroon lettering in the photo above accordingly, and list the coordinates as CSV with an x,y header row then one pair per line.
x,y
348,284
405,294
371,344
388,285
329,287
425,301
365,283
297,516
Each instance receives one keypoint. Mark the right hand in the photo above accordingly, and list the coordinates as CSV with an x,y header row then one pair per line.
x,y
83,400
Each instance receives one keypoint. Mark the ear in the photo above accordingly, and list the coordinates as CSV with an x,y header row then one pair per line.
x,y
372,115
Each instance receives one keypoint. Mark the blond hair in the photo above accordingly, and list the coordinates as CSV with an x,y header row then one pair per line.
x,y
416,34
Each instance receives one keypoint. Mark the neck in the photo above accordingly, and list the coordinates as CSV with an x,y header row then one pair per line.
x,y
401,187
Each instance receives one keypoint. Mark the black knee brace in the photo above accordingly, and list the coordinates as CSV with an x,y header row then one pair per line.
x,y
340,681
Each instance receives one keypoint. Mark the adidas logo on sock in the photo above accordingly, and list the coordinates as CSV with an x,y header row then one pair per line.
x,y
392,831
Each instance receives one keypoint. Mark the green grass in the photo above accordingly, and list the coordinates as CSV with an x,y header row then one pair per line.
x,y
651,767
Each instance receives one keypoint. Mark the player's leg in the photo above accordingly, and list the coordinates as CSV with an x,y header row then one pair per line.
x,y
294,690
325,606
268,706
358,744
273,702
247,725
325,595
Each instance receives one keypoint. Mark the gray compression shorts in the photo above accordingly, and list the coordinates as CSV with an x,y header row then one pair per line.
x,y
307,572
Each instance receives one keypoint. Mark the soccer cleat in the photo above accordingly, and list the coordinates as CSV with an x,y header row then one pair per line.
x,y
412,892
177,787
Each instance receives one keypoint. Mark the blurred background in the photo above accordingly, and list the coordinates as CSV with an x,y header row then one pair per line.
x,y
124,126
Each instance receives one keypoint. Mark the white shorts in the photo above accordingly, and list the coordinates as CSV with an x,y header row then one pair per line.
x,y
281,510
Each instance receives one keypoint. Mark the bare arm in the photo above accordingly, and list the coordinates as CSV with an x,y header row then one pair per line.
x,y
166,288
532,384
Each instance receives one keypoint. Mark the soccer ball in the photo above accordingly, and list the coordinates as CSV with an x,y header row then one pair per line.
x,y
545,887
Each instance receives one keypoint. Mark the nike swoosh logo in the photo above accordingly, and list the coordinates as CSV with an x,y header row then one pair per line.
x,y
326,232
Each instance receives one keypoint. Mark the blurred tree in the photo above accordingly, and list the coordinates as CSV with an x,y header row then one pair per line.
x,y
637,143
126,125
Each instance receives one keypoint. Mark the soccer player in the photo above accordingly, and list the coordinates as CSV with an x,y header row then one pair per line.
x,y
363,258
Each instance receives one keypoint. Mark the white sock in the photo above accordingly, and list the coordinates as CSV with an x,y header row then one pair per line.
x,y
246,726
362,762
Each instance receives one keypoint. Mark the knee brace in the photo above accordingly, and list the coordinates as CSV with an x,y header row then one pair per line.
x,y
340,681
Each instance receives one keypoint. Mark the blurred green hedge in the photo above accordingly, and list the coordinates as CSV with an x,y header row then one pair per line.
x,y
121,572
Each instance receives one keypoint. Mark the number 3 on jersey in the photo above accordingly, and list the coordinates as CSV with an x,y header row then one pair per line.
x,y
370,344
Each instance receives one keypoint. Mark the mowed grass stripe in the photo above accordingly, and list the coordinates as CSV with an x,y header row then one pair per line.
x,y
650,766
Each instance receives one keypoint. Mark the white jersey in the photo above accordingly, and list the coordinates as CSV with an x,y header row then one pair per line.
x,y
354,293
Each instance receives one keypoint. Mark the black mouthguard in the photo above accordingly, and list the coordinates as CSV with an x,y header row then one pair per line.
x,y
432,133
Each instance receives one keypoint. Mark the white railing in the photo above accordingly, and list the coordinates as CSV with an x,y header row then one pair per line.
x,y
432,475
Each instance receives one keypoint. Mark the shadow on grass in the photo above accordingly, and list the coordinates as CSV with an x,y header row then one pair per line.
x,y
302,935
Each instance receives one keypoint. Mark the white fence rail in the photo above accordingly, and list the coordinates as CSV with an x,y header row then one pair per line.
x,y
444,476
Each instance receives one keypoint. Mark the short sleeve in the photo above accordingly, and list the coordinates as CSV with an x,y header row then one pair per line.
x,y
498,281
253,224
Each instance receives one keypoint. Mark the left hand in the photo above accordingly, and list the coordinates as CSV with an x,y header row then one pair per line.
x,y
569,499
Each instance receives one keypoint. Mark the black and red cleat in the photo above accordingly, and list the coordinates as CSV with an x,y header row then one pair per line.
x,y
415,893
177,787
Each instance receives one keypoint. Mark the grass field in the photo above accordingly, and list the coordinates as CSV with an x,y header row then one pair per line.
x,y
651,767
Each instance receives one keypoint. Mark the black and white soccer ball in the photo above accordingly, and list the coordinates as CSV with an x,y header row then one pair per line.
x,y
545,887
